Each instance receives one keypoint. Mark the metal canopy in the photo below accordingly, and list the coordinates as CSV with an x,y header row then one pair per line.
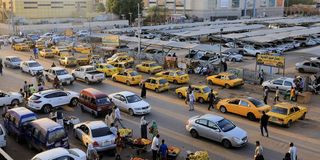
x,y
294,21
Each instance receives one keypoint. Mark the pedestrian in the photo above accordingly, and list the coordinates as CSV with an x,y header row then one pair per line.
x,y
34,52
108,118
56,82
21,92
26,89
92,153
211,98
143,127
4,110
59,118
265,95
119,145
293,152
225,65
53,65
37,53
287,156
191,101
301,84
143,90
31,58
1,67
117,116
292,94
153,129
32,90
276,97
155,146
264,123
258,153
163,150
261,76
113,129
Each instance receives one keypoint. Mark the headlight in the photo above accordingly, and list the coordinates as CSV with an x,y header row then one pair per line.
x,y
237,140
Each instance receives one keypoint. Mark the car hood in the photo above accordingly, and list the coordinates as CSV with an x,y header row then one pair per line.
x,y
139,104
237,132
76,94
298,64
14,94
16,63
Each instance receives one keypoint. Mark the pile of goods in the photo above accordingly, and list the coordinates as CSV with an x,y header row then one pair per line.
x,y
141,141
199,155
173,150
124,132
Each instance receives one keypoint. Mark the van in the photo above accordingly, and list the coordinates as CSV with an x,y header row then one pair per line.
x,y
15,121
95,102
44,134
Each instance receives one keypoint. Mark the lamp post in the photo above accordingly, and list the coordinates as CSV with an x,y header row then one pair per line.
x,y
139,29
130,19
220,55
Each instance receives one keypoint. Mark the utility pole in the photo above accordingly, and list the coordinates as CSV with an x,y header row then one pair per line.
x,y
12,17
175,7
245,8
254,8
220,54
184,7
139,29
130,19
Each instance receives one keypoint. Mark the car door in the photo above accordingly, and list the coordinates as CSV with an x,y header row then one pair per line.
x,y
243,108
24,67
197,93
52,99
171,76
52,74
217,80
201,127
292,115
287,85
152,84
63,98
214,132
148,83
83,134
277,83
233,105
297,113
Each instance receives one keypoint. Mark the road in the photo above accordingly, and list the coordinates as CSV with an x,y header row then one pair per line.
x,y
171,114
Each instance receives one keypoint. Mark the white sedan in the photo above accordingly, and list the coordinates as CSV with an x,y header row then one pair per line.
x,y
130,102
61,153
31,67
96,133
10,98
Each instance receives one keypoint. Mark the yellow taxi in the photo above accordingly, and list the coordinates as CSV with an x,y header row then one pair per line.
x,y
46,53
201,92
157,84
121,66
117,55
21,47
175,76
250,107
149,67
68,61
225,79
40,45
286,113
125,59
107,69
129,77
29,43
64,53
83,49
82,59
58,49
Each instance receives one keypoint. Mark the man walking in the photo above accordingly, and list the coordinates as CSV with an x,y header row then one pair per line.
x,y
163,150
1,67
191,101
261,76
211,98
117,116
265,96
264,123
276,98
258,152
293,152
155,147
26,89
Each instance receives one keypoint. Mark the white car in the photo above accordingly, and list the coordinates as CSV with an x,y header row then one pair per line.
x,y
10,98
83,33
250,50
130,102
3,141
315,59
284,84
12,62
31,67
96,133
61,154
89,74
52,98
63,75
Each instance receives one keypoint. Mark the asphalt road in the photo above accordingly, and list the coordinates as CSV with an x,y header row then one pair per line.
x,y
171,114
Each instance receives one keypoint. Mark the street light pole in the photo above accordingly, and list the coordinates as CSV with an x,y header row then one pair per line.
x,y
130,20
139,29
220,54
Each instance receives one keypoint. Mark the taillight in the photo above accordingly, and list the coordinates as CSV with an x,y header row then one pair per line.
x,y
37,101
95,144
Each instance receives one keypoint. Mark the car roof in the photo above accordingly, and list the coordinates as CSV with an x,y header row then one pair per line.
x,y
285,78
93,93
126,93
20,111
95,124
31,61
148,62
199,86
211,117
49,91
55,152
285,105
156,78
45,124
57,68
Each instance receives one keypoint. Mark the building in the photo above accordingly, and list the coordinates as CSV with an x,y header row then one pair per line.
x,y
44,9
212,9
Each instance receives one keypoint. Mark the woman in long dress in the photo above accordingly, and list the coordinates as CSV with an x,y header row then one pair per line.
x,y
143,90
143,127
154,129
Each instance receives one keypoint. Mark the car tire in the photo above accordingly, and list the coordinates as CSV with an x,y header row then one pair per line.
x,y
14,102
87,80
223,109
157,90
303,116
201,100
194,133
114,79
175,81
227,86
301,70
233,59
46,108
251,116
226,143
180,95
74,76
73,102
210,82
289,124
131,113
128,83
267,88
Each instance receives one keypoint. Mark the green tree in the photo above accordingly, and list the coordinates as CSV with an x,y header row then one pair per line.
x,y
125,7
101,8
157,14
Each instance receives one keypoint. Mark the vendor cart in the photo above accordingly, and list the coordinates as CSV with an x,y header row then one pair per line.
x,y
139,144
126,134
173,152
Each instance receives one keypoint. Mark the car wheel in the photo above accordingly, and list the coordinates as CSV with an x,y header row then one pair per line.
x,y
233,59
201,100
210,82
74,102
303,116
180,95
87,80
289,124
128,83
223,109
14,102
46,108
175,82
114,79
226,143
194,133
227,86
74,76
251,117
157,90
301,70
131,113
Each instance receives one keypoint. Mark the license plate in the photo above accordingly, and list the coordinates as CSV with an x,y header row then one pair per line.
x,y
106,143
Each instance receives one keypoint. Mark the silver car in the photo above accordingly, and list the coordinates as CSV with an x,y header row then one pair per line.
x,y
12,62
232,56
284,84
308,66
218,129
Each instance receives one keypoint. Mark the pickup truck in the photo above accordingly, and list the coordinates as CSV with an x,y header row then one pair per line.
x,y
89,74
63,75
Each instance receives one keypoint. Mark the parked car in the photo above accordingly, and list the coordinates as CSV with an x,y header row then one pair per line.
x,y
231,56
68,61
88,74
146,35
97,133
44,134
305,41
122,48
315,59
201,92
174,76
308,66
46,53
83,33
57,49
249,107
157,84
31,67
95,102
284,84
62,74
107,69
50,99
10,98
149,67
12,62
286,113
15,120
3,135
61,154
125,59
218,129
131,103
225,79
253,51
129,77
21,47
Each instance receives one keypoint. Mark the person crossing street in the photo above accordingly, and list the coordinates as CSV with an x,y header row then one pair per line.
x,y
211,98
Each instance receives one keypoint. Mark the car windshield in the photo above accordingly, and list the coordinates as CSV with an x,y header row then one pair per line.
x,y
134,73
232,77
179,73
133,99
16,59
103,101
153,65
34,64
56,135
48,50
100,132
256,102
206,89
61,72
163,81
226,125
279,110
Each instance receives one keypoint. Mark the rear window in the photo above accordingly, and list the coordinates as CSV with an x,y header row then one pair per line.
x,y
279,110
34,97
16,59
103,101
233,77
28,119
56,135
72,59
256,102
100,132
134,73
34,64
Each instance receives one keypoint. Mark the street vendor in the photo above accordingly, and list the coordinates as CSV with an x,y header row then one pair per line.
x,y
143,127
154,129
